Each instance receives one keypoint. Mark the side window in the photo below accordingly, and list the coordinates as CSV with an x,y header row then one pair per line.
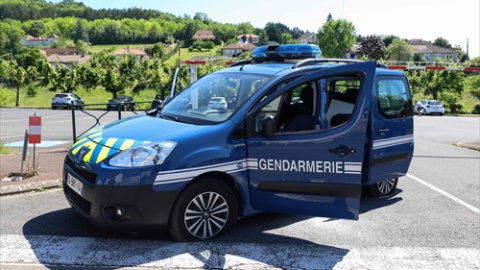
x,y
293,111
392,98
342,94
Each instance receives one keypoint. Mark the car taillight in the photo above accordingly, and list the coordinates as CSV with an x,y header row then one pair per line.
x,y
428,106
443,106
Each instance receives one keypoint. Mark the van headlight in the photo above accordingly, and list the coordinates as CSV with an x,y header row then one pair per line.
x,y
144,155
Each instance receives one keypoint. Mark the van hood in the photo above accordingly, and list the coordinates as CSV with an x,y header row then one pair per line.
x,y
104,141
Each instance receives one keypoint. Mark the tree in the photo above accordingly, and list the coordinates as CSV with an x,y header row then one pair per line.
x,y
63,43
81,47
120,74
442,42
437,83
399,50
273,32
66,79
80,32
262,37
387,40
36,29
373,48
17,75
336,37
245,28
158,50
329,17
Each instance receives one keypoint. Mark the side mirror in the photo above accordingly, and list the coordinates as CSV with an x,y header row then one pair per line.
x,y
268,126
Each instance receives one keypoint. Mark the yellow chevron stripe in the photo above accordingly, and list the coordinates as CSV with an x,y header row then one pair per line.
x,y
92,146
127,144
106,149
79,144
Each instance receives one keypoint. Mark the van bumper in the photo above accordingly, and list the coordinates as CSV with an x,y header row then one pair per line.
x,y
120,208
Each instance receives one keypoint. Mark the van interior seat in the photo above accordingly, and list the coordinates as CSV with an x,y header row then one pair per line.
x,y
341,106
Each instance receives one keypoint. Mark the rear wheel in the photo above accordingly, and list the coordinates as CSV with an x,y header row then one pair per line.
x,y
205,209
382,188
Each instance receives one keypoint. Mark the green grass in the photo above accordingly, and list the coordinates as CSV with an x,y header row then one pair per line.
x,y
43,97
112,48
4,149
186,55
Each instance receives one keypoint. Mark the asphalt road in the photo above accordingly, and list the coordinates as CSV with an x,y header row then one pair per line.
x,y
56,124
431,222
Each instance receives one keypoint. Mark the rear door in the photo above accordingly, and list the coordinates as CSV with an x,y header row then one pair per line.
x,y
392,129
317,171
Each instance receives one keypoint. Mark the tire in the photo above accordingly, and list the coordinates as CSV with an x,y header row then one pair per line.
x,y
383,188
190,219
54,107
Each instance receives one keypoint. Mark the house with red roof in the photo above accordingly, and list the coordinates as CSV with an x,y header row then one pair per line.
x,y
204,35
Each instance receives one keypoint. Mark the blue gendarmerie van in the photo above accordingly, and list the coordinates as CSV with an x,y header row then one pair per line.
x,y
294,133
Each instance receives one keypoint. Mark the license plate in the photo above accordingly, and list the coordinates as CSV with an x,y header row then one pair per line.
x,y
74,184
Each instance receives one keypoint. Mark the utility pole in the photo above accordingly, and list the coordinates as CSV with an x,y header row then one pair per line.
x,y
468,49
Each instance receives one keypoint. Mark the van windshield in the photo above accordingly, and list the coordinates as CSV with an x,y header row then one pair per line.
x,y
213,98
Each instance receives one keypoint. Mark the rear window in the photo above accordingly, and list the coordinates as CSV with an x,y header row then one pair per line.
x,y
61,95
393,98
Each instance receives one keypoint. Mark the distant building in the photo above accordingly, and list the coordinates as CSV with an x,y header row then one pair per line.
x,y
248,38
233,50
28,40
48,52
427,50
139,53
204,35
352,53
68,60
308,38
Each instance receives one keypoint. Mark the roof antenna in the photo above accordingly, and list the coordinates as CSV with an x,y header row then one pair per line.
x,y
243,64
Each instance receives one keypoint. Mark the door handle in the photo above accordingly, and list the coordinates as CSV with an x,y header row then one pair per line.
x,y
342,151
383,130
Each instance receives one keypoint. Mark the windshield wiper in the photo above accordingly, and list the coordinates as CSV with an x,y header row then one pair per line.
x,y
176,119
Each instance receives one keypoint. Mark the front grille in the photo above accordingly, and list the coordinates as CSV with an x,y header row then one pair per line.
x,y
76,199
84,173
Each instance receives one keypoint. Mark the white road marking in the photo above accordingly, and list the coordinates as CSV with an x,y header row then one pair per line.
x,y
151,254
444,193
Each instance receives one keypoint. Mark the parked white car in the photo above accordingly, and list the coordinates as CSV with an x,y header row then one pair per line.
x,y
431,107
218,103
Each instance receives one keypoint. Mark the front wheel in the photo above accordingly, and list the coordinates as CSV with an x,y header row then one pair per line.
x,y
382,188
205,209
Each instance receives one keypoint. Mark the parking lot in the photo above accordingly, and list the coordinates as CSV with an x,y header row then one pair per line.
x,y
431,222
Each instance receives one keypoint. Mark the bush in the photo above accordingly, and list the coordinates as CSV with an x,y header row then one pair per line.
x,y
476,109
31,91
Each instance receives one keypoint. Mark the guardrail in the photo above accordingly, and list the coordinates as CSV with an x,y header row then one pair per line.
x,y
111,107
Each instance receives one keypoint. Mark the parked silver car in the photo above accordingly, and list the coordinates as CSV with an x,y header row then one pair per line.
x,y
65,100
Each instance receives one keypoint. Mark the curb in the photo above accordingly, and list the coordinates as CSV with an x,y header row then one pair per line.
x,y
33,186
470,145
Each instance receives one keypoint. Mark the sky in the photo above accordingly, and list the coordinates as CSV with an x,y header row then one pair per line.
x,y
457,21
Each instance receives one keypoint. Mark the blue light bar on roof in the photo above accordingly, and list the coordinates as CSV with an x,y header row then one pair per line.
x,y
287,51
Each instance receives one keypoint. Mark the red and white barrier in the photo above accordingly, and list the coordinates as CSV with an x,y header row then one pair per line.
x,y
466,69
34,129
402,67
